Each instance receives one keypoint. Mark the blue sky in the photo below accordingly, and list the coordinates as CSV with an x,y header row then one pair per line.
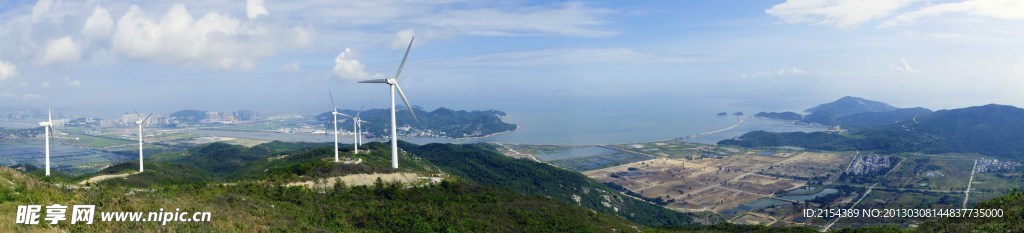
x,y
103,57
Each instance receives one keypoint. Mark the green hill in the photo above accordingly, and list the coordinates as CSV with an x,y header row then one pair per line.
x,y
259,207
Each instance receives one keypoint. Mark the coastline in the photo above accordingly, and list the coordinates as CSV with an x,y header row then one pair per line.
x,y
738,124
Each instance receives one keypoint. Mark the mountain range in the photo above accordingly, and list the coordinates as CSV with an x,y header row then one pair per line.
x,y
995,130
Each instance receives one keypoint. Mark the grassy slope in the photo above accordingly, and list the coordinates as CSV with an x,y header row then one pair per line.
x,y
249,207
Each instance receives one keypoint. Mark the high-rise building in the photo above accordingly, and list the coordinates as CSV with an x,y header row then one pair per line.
x,y
246,115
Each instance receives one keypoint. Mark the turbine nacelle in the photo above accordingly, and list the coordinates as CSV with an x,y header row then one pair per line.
x,y
44,124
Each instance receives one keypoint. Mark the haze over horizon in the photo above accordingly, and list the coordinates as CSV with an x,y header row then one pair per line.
x,y
104,57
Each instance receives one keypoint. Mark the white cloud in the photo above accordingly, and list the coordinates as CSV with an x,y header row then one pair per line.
x,y
12,96
98,25
72,82
23,84
31,96
904,66
215,39
40,9
402,37
255,8
61,51
7,70
569,19
44,85
348,67
304,35
561,57
1000,9
294,66
778,73
836,13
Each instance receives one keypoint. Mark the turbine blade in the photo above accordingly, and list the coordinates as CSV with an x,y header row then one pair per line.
x,y
374,81
49,117
147,118
404,58
344,114
407,105
334,108
360,110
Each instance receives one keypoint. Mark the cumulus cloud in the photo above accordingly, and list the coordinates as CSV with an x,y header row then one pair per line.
x,y
61,51
255,8
6,96
214,39
45,85
7,70
347,66
904,66
1000,9
40,9
98,25
836,13
72,82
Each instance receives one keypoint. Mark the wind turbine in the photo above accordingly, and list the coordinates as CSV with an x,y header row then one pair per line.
x,y
335,113
393,83
46,128
357,130
140,123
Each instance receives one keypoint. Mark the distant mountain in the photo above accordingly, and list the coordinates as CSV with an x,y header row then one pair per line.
x,y
189,116
828,113
441,122
853,113
995,130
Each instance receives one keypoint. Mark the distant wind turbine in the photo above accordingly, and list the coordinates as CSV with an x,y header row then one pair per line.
x,y
357,131
393,83
47,125
335,113
140,123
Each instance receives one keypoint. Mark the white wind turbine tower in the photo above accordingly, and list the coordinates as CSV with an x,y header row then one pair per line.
x,y
46,128
357,130
335,113
140,123
393,83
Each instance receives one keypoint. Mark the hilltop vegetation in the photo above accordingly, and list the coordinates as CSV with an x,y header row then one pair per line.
x,y
441,122
253,207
